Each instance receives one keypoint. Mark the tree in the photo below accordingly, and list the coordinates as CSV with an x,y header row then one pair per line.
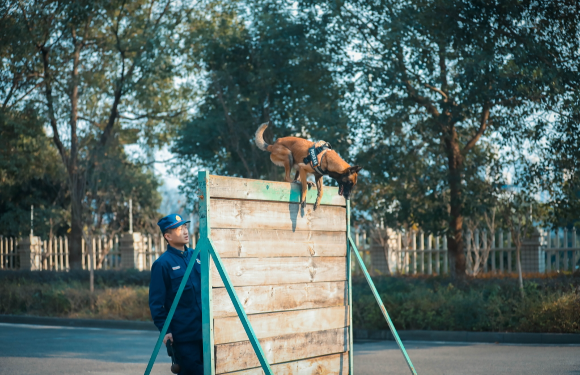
x,y
114,182
436,77
91,68
260,64
30,174
557,170
517,213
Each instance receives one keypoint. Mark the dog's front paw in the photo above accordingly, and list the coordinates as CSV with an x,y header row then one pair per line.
x,y
303,204
315,206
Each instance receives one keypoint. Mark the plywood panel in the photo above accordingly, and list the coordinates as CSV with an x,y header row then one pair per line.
x,y
240,355
334,364
281,323
238,214
271,298
275,271
250,243
241,188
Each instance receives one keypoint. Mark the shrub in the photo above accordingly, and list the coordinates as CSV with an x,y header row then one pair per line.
x,y
437,303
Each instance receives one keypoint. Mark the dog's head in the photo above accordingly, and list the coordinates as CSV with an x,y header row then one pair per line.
x,y
346,180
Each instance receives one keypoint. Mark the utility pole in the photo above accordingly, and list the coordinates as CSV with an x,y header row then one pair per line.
x,y
31,220
131,215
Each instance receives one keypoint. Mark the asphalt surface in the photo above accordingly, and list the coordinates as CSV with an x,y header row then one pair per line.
x,y
28,349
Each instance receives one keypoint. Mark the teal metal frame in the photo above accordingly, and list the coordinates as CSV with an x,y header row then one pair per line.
x,y
377,296
206,248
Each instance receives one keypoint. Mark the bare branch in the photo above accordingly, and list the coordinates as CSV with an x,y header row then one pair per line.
x,y
439,91
49,103
482,127
24,95
156,116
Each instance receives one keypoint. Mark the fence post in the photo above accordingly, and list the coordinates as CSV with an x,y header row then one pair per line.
x,y
532,254
130,248
29,253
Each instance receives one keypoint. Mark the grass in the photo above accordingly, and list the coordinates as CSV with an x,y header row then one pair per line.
x,y
73,300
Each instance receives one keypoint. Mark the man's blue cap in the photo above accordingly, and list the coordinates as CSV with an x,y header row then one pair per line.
x,y
171,221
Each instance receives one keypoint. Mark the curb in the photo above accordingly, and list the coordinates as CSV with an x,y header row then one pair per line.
x,y
87,323
359,334
466,336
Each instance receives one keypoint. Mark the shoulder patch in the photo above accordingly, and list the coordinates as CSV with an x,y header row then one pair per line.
x,y
176,267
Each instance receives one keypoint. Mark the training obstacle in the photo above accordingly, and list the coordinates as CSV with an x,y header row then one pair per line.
x,y
276,280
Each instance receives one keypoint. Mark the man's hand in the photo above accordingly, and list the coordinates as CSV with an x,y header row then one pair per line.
x,y
168,336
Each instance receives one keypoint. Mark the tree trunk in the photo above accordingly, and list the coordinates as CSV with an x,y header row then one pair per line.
x,y
519,264
76,234
455,243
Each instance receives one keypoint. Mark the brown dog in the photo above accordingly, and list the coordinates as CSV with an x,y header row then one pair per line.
x,y
289,152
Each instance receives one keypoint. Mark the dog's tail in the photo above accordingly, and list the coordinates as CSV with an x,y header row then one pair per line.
x,y
260,137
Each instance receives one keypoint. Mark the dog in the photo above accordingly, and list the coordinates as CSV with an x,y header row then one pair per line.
x,y
291,152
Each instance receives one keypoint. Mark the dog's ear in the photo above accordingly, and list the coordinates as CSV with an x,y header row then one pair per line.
x,y
354,169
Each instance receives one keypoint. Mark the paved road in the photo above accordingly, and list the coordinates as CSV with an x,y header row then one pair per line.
x,y
28,349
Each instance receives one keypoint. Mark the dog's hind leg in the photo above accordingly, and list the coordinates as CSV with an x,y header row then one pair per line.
x,y
288,168
304,187
319,186
282,157
297,176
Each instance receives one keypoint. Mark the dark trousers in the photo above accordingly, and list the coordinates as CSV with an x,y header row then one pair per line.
x,y
190,357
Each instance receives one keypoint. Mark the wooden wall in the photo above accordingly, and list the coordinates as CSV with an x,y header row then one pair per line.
x,y
288,267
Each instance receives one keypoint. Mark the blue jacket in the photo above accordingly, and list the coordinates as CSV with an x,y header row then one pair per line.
x,y
166,275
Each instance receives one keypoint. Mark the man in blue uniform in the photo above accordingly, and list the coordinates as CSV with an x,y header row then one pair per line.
x,y
185,330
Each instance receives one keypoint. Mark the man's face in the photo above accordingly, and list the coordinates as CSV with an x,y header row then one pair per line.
x,y
177,237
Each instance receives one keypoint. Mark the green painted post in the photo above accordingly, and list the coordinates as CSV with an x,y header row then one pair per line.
x,y
349,286
206,295
171,312
381,305
240,310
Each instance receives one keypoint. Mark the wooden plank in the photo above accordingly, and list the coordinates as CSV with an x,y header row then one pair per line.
x,y
230,329
275,271
260,243
242,188
272,298
334,364
275,215
240,355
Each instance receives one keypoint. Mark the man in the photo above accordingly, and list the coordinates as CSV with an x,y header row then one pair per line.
x,y
167,272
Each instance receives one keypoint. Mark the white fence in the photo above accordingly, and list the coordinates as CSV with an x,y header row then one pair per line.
x,y
416,252
409,253
9,253
53,254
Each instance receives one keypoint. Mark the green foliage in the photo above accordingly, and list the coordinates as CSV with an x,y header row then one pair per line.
x,y
31,173
440,86
558,170
99,74
551,305
115,180
261,64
